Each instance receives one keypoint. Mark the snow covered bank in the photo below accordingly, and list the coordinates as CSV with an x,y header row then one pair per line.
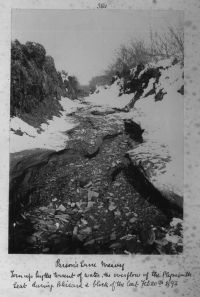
x,y
109,96
53,133
152,98
161,153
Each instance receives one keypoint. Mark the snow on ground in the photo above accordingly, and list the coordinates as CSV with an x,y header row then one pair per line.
x,y
161,153
109,96
166,63
17,124
149,87
163,63
69,105
52,136
175,232
163,124
162,121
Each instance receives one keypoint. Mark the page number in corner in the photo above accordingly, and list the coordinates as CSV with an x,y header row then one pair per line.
x,y
102,5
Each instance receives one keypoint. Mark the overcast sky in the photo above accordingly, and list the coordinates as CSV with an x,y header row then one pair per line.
x,y
82,42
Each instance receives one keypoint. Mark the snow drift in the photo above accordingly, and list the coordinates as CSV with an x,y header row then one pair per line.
x,y
161,153
108,96
24,136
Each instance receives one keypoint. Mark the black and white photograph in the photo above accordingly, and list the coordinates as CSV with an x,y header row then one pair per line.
x,y
96,132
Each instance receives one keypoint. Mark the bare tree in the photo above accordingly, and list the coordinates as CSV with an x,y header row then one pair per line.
x,y
169,44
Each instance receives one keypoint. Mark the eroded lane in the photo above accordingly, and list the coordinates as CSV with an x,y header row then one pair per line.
x,y
79,200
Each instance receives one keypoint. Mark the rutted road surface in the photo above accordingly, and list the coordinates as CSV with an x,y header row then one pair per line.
x,y
89,198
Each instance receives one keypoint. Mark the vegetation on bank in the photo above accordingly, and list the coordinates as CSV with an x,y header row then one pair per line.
x,y
99,80
72,86
36,85
165,46
138,52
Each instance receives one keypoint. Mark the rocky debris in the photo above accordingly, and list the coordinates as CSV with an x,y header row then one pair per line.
x,y
89,242
83,181
138,81
160,94
131,243
92,194
150,165
132,220
102,111
90,204
133,130
81,204
112,206
61,208
181,90
147,235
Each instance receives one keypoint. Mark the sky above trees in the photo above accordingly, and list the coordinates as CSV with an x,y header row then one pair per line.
x,y
83,42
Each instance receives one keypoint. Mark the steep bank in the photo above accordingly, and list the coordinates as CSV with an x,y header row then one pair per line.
x,y
36,85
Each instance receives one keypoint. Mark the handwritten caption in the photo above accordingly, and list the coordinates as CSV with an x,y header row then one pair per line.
x,y
85,274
